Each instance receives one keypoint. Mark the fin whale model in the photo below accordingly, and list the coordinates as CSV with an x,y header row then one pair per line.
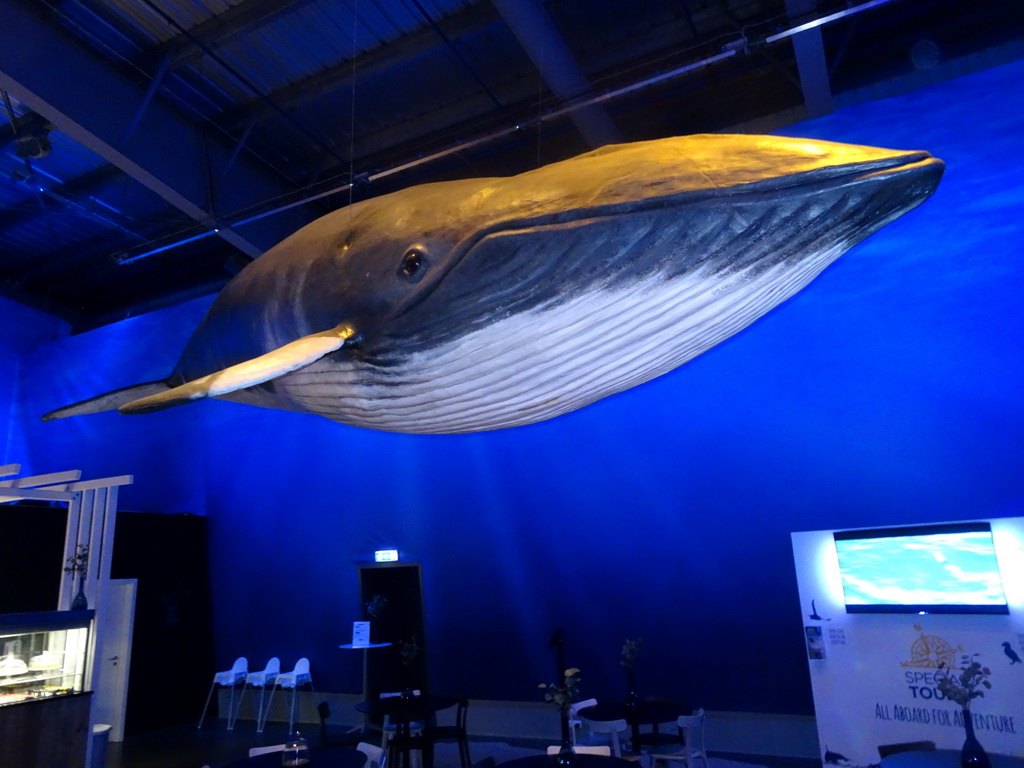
x,y
474,305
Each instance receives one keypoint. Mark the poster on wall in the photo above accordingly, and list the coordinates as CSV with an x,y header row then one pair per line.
x,y
879,678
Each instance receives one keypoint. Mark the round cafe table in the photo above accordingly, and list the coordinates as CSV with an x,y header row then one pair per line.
x,y
333,757
944,758
403,711
650,713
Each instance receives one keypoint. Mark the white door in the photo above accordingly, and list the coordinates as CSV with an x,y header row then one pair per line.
x,y
114,652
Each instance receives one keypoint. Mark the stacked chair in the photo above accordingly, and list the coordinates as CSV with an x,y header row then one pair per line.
x,y
423,737
292,680
691,736
575,721
374,754
262,679
231,677
455,732
611,729
270,677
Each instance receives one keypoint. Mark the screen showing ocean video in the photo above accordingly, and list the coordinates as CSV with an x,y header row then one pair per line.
x,y
932,569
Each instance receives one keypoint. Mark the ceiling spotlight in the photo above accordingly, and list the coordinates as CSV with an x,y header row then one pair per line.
x,y
33,147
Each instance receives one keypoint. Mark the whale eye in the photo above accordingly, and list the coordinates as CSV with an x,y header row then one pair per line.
x,y
414,263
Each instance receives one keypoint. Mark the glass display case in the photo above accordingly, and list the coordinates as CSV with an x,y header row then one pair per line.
x,y
43,655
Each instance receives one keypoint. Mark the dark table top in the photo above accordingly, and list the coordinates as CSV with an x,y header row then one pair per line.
x,y
320,757
645,712
944,758
402,710
582,761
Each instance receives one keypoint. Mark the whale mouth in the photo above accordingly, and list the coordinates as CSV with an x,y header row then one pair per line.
x,y
908,165
919,173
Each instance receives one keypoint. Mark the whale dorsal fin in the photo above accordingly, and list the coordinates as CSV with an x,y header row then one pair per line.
x,y
292,356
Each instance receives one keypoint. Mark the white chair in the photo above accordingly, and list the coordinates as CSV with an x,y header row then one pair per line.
x,y
261,680
374,754
574,716
265,750
298,676
691,734
604,750
231,677
609,728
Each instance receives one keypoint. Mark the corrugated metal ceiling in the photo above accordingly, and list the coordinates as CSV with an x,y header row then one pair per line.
x,y
276,100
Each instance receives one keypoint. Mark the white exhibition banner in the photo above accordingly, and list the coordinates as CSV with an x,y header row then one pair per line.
x,y
873,675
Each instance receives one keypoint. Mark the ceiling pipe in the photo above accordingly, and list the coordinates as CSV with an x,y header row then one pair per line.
x,y
824,20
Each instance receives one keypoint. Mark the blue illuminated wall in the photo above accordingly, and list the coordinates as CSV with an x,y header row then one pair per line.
x,y
887,392
23,330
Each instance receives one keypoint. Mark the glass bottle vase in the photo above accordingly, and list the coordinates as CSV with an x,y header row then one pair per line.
x,y
972,755
80,603
566,754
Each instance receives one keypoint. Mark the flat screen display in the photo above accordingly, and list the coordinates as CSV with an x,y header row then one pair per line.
x,y
923,569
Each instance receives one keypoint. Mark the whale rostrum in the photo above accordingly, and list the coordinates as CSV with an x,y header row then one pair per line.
x,y
481,304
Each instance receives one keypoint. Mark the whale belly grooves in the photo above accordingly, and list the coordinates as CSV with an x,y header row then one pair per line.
x,y
725,265
563,358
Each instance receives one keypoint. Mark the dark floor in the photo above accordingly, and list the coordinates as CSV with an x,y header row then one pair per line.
x,y
188,747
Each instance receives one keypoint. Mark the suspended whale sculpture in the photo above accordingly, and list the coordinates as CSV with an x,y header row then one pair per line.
x,y
474,305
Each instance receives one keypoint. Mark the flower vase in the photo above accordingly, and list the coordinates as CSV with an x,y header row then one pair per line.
x,y
972,755
566,754
80,603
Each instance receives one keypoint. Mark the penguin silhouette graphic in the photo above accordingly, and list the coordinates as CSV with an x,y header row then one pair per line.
x,y
1012,654
835,758
813,616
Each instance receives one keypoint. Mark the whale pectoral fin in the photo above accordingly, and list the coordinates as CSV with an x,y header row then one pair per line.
x,y
108,401
290,357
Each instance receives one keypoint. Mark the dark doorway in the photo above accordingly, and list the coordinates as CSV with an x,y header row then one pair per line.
x,y
392,600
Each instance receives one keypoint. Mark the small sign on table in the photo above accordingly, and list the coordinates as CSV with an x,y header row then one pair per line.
x,y
360,633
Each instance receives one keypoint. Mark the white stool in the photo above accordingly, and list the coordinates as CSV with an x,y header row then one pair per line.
x,y
298,676
261,680
230,677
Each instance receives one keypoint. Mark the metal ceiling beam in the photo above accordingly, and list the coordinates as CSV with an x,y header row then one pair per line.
x,y
217,31
435,128
167,153
544,44
15,216
810,61
27,124
383,57
89,250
